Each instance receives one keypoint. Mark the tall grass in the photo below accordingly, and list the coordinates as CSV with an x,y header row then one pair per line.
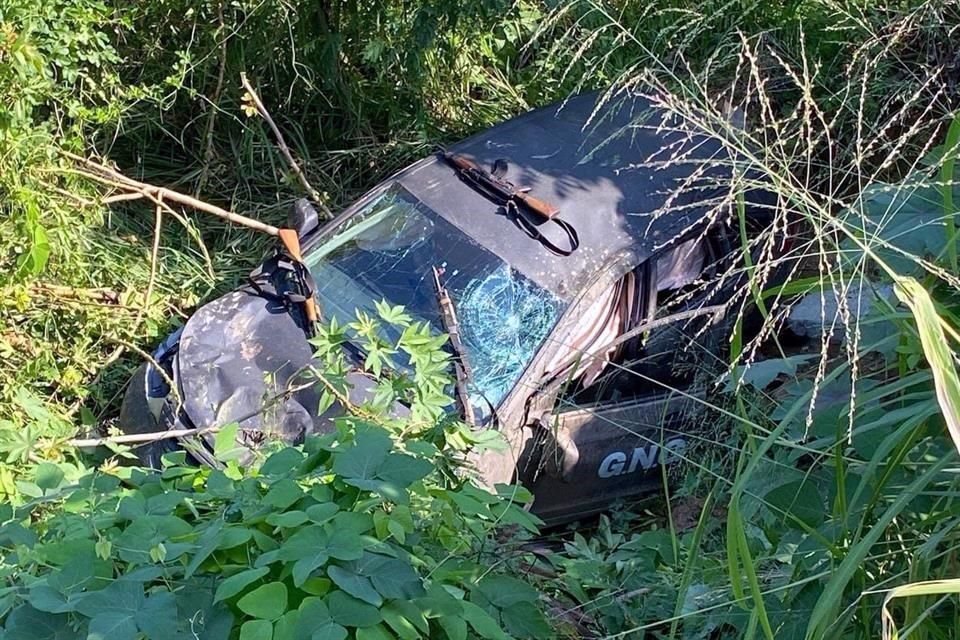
x,y
827,139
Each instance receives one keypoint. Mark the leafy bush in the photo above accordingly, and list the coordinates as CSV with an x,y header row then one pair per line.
x,y
349,533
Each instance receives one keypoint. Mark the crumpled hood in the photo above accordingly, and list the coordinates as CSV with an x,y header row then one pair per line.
x,y
243,358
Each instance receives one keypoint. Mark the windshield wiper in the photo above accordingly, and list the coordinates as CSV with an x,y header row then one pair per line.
x,y
461,368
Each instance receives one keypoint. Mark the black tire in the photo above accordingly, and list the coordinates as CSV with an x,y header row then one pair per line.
x,y
136,417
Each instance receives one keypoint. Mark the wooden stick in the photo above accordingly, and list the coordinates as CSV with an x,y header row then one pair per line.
x,y
106,175
284,149
141,438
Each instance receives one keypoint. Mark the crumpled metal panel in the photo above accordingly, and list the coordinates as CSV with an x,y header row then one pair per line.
x,y
241,359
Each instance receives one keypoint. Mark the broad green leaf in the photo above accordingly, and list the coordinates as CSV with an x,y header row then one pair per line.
x,y
209,542
225,446
267,602
48,476
121,597
351,612
455,628
26,623
45,598
159,618
286,627
403,470
504,591
356,585
346,545
800,498
112,625
282,462
401,625
376,632
410,612
364,457
236,583
525,620
397,579
320,513
482,622
256,630
308,549
315,622
287,520
283,494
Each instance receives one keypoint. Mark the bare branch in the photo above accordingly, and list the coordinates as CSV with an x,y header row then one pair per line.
x,y
105,175
284,149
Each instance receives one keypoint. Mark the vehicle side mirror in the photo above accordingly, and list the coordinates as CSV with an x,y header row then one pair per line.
x,y
303,218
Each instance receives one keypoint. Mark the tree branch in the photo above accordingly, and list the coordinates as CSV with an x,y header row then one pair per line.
x,y
284,149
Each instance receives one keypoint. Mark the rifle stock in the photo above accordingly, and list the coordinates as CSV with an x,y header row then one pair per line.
x,y
540,207
291,242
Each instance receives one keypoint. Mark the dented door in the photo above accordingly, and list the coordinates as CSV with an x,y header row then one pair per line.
x,y
588,457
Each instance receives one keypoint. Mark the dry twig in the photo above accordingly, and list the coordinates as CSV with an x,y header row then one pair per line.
x,y
284,149
105,175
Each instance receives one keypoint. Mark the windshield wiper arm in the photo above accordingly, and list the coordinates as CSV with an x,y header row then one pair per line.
x,y
461,367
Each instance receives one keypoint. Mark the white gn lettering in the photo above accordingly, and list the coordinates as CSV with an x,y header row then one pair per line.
x,y
643,458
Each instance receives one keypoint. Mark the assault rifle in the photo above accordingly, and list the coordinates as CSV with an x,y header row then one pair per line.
x,y
498,188
513,198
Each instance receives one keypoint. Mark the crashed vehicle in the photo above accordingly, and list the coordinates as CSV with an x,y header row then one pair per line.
x,y
590,250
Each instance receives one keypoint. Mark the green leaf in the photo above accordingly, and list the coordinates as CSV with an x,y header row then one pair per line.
x,y
504,591
363,459
346,545
43,597
47,476
159,618
236,583
401,614
397,579
357,586
26,623
320,513
287,520
281,463
800,498
209,542
936,349
308,550
256,630
268,601
482,622
283,494
112,626
455,628
286,627
376,632
315,622
403,470
121,597
225,446
351,612
525,620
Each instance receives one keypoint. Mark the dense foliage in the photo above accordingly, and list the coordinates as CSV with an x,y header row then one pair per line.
x,y
827,483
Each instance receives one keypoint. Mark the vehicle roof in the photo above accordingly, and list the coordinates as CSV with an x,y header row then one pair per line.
x,y
591,158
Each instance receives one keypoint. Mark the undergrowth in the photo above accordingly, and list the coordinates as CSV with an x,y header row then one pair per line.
x,y
832,483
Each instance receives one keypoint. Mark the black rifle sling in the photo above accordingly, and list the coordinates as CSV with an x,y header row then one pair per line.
x,y
515,212
287,281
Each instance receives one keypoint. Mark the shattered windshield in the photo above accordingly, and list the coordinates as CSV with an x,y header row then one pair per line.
x,y
388,250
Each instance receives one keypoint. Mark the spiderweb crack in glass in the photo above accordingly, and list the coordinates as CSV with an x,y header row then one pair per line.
x,y
504,319
387,251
